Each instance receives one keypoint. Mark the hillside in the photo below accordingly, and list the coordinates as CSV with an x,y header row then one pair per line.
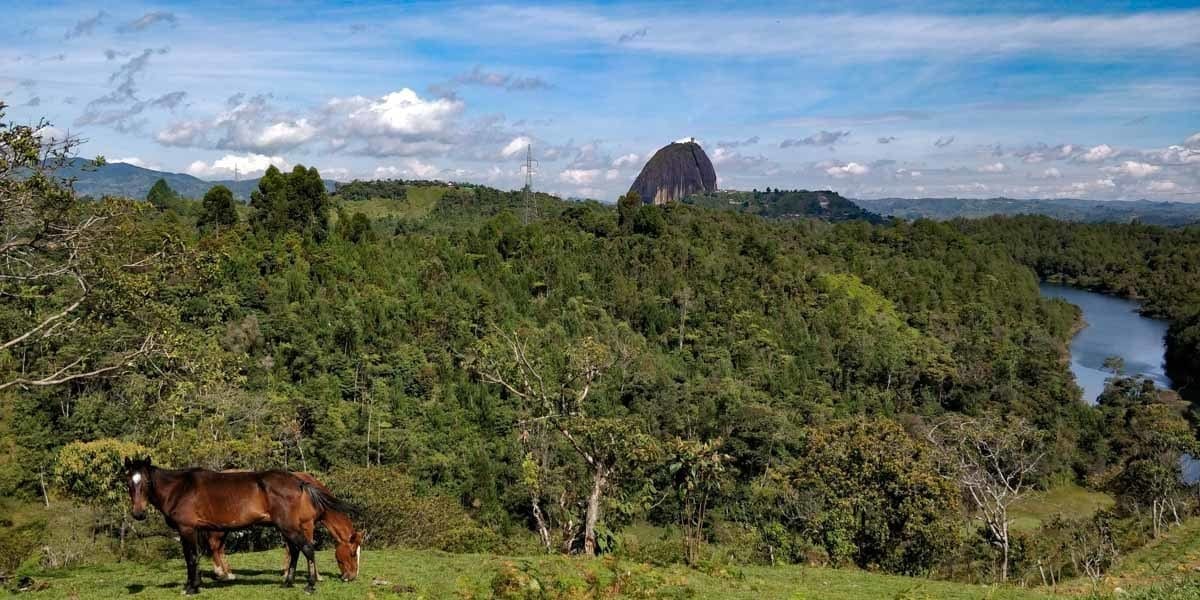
x,y
131,181
1066,209
786,204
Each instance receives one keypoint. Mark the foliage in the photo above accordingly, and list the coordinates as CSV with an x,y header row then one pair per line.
x,y
218,211
161,195
292,202
869,493
94,472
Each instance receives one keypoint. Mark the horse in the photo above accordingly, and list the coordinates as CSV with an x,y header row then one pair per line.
x,y
197,500
348,549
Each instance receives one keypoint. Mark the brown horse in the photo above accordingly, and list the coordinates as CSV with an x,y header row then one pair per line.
x,y
197,500
348,549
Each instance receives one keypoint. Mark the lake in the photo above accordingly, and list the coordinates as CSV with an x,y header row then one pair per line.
x,y
1113,327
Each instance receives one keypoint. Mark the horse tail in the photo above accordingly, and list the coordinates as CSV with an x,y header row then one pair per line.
x,y
323,499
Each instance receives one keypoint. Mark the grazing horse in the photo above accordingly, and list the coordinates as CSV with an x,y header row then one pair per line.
x,y
197,500
348,549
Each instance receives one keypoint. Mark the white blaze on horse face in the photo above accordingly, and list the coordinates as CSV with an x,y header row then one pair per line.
x,y
137,478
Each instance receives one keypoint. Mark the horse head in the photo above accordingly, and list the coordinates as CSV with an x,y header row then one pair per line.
x,y
348,553
137,472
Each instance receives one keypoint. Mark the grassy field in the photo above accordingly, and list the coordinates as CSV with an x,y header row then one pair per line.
x,y
411,574
1068,500
419,203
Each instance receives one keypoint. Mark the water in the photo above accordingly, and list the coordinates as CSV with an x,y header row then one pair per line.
x,y
1113,327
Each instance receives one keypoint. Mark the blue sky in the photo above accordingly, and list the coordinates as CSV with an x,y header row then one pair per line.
x,y
1020,99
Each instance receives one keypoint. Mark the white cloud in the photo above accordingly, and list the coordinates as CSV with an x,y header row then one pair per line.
x,y
1162,186
628,159
1052,173
993,168
1133,169
397,113
246,165
1174,155
184,133
516,146
1098,153
410,169
579,176
847,170
1193,141
286,134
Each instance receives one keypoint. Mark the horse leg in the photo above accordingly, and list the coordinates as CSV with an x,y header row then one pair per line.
x,y
187,538
310,554
293,553
216,545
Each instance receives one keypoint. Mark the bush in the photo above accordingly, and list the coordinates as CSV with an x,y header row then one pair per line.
x,y
388,509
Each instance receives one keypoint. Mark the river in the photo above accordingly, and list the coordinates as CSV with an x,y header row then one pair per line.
x,y
1112,327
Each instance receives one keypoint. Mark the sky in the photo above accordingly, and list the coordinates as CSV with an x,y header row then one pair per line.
x,y
915,99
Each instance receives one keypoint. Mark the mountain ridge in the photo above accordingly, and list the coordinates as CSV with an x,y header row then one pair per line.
x,y
131,181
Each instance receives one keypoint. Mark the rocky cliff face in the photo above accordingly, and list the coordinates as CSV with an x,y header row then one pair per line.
x,y
675,171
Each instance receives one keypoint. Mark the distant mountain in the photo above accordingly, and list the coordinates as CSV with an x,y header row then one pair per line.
x,y
786,204
1090,211
675,171
130,181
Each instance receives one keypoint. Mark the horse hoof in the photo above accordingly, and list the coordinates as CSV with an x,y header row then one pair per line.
x,y
229,577
191,591
310,590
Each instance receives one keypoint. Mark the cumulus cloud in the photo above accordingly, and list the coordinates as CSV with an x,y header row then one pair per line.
x,y
148,20
86,26
998,167
246,164
1193,141
850,169
821,138
516,146
1051,173
1132,168
1162,186
942,142
1097,153
886,139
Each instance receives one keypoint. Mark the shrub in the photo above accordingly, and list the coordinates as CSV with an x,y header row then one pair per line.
x,y
393,514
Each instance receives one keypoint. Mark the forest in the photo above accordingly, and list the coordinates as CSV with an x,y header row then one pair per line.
x,y
673,384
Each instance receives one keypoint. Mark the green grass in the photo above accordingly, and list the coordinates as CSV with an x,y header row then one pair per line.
x,y
419,574
1068,500
419,203
1167,561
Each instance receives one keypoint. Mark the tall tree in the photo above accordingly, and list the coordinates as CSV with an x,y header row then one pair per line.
x,y
218,210
161,195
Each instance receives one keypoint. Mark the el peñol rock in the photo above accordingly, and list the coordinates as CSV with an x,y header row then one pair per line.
x,y
675,171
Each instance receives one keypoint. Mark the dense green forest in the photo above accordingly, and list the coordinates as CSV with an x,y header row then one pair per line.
x,y
759,391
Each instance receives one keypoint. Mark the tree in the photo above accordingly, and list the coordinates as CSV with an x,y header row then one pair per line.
x,y
69,269
698,472
868,492
161,195
552,375
993,460
218,209
627,209
295,202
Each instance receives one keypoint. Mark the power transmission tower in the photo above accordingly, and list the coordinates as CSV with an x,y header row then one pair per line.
x,y
527,192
